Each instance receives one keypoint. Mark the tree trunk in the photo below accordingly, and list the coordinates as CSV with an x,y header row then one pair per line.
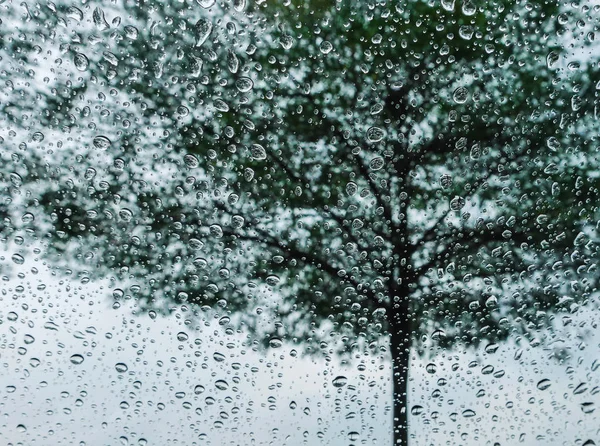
x,y
400,353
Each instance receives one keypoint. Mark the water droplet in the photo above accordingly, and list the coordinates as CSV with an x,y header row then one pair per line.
x,y
460,95
121,367
51,326
182,336
244,84
375,134
448,5
77,359
206,3
351,188
248,174
21,428
587,407
376,163
446,181
376,109
221,105
101,142
125,214
258,152
219,357
339,381
38,136
131,32
191,161
353,436
552,59
18,259
199,389
491,348
233,62
553,143
431,368
417,410
326,47
272,280
581,388
216,231
543,384
457,203
239,5
468,413
275,342
100,20
221,384
237,221
286,41
203,30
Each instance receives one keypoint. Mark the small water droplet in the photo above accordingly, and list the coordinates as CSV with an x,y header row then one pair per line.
x,y
219,357
38,136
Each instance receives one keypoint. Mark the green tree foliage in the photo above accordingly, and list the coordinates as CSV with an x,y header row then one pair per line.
x,y
370,173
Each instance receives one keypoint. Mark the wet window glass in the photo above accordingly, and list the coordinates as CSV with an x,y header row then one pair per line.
x,y
334,222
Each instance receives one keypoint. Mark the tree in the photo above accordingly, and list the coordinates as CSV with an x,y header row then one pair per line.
x,y
400,174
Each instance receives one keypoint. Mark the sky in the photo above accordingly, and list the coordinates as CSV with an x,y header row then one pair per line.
x,y
76,371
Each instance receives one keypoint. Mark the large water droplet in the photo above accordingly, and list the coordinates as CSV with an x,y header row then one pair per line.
x,y
206,3
18,259
460,95
221,384
258,152
375,134
244,84
233,62
543,384
101,142
203,30
77,359
339,381
376,163
275,342
121,367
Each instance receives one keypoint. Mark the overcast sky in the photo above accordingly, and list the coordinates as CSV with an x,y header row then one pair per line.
x,y
49,397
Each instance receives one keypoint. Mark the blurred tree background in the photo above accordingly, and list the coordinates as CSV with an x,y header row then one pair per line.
x,y
369,175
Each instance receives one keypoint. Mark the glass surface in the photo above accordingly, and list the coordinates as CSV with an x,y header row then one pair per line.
x,y
299,222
